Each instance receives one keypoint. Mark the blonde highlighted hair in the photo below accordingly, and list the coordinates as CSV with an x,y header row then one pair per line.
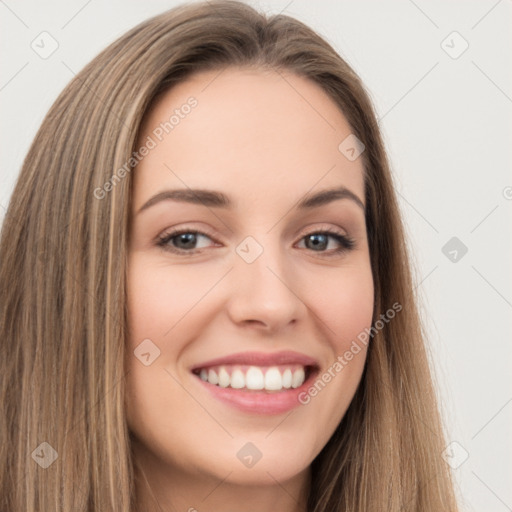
x,y
63,271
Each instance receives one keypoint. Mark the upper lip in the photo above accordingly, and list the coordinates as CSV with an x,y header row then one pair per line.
x,y
260,359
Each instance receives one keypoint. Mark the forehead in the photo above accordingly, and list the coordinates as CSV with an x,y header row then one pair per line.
x,y
254,133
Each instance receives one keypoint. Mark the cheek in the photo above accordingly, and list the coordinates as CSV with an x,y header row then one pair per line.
x,y
161,304
343,301
159,299
157,303
345,306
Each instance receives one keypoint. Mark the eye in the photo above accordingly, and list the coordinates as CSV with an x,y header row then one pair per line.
x,y
318,241
185,241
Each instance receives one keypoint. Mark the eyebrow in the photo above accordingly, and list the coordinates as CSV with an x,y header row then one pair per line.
x,y
215,199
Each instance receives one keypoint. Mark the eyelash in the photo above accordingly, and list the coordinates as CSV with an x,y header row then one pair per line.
x,y
346,243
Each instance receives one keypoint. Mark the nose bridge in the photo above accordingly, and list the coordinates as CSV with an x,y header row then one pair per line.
x,y
262,287
261,259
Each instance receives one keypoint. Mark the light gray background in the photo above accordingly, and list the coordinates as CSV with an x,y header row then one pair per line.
x,y
447,126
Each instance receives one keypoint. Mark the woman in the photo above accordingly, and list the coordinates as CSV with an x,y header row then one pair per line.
x,y
278,365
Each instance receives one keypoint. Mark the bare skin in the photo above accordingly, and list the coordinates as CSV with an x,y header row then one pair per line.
x,y
266,141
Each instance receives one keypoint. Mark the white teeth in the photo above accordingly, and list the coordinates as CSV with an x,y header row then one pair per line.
x,y
212,377
223,377
254,378
237,379
287,378
298,378
273,379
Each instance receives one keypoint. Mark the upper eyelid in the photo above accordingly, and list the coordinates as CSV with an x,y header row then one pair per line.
x,y
213,233
332,231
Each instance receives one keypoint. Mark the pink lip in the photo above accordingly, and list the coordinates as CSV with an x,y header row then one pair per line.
x,y
260,359
260,402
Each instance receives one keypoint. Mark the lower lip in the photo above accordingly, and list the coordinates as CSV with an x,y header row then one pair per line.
x,y
259,402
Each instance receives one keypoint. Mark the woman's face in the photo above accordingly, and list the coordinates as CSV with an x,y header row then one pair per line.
x,y
253,293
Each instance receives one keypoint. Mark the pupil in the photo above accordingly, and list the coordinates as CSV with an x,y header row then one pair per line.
x,y
187,238
316,242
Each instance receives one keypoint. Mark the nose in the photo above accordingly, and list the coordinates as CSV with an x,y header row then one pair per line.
x,y
264,292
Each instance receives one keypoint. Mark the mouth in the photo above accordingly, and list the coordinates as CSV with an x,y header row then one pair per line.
x,y
258,383
271,379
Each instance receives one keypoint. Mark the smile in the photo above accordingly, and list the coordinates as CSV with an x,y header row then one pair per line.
x,y
256,382
269,378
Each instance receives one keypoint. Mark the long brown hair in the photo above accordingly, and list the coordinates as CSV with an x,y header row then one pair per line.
x,y
62,276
